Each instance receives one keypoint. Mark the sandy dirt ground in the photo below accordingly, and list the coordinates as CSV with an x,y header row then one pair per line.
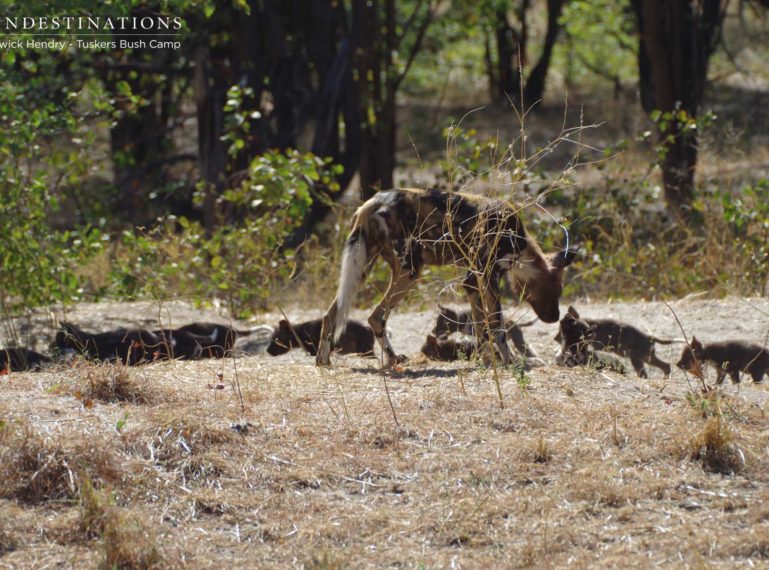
x,y
709,320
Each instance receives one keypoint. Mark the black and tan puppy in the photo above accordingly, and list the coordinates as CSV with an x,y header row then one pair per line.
x,y
730,357
216,341
447,349
180,344
129,346
622,339
356,338
576,336
450,321
21,359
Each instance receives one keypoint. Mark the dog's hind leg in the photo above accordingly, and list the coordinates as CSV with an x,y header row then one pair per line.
x,y
757,373
654,360
326,336
638,365
400,283
355,261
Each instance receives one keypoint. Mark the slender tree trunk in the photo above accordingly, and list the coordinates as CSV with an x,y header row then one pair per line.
x,y
508,42
535,84
210,96
646,90
491,74
138,136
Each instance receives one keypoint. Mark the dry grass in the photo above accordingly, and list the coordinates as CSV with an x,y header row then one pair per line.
x,y
580,467
34,469
127,542
714,447
108,382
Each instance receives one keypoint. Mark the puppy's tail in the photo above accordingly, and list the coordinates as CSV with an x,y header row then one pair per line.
x,y
354,262
667,340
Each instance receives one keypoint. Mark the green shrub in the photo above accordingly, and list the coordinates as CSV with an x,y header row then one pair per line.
x,y
241,262
38,262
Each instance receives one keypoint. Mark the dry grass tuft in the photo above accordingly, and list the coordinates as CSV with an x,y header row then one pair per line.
x,y
715,450
326,561
8,542
111,383
128,543
35,470
538,452
93,505
185,444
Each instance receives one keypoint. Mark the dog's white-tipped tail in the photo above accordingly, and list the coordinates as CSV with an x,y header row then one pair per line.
x,y
354,262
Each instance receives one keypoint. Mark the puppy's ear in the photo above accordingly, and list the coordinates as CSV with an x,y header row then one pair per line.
x,y
284,325
431,340
573,312
696,345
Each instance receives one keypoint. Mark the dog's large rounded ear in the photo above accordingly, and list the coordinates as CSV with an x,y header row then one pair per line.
x,y
284,325
573,312
431,340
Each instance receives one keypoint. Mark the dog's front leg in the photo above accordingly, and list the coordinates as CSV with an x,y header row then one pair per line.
x,y
323,357
497,325
487,319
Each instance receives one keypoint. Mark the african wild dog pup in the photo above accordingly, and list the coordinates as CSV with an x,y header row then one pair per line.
x,y
127,345
130,346
576,336
357,338
216,341
21,359
730,357
450,321
623,339
447,349
411,228
178,344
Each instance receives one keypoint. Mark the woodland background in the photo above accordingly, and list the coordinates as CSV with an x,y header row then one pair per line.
x,y
225,171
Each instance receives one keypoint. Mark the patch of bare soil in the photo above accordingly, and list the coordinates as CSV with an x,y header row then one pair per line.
x,y
259,462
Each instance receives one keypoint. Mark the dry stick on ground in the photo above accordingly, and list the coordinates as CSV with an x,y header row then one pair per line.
x,y
389,399
236,381
686,375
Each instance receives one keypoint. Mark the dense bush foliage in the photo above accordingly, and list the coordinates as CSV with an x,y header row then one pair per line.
x,y
241,262
44,143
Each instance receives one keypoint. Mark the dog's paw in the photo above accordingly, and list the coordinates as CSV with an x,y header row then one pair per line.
x,y
396,359
534,362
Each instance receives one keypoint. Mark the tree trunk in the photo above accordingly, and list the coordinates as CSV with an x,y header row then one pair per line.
x,y
678,38
646,90
139,136
508,76
210,96
535,84
375,75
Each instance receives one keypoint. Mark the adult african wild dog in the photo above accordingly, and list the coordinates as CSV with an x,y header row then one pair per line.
x,y
411,228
